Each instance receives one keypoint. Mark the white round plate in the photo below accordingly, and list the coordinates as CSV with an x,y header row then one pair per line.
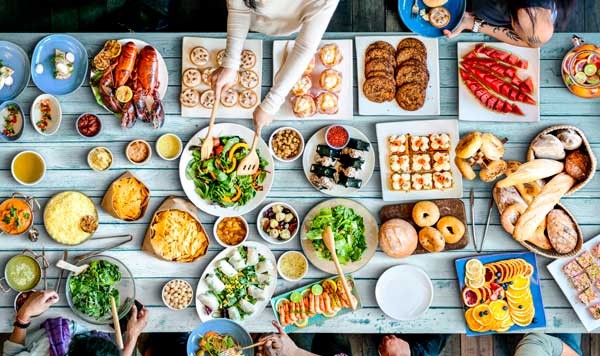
x,y
411,286
263,250
310,150
189,188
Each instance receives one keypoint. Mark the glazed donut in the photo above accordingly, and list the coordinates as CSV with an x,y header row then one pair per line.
x,y
425,213
451,228
431,239
510,215
469,144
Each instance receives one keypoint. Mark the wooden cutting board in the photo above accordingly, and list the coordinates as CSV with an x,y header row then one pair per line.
x,y
453,207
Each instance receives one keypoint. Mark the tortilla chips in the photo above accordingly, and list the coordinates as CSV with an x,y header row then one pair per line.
x,y
130,198
177,236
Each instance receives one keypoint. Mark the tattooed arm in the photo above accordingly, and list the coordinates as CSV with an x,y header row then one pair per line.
x,y
504,34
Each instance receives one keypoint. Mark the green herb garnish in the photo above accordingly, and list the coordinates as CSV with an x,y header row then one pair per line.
x,y
92,289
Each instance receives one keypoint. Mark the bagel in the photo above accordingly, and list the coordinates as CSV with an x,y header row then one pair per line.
x,y
465,168
425,213
431,239
510,215
492,170
451,228
491,147
539,238
468,145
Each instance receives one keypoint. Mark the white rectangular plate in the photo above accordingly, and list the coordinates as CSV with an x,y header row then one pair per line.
x,y
421,127
346,100
213,45
469,107
432,98
570,293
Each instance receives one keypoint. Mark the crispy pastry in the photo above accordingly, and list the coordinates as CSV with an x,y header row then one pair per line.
x,y
469,144
330,55
331,80
199,56
191,77
532,171
248,99
548,146
577,165
327,103
189,97
302,86
527,190
451,228
304,106
431,239
562,231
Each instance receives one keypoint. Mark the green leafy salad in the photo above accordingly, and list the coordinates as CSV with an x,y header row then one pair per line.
x,y
216,179
348,232
91,290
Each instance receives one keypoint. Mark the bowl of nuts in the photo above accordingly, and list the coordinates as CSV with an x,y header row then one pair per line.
x,y
230,231
177,294
286,144
277,223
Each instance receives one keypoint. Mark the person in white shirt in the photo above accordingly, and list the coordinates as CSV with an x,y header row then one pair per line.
x,y
277,18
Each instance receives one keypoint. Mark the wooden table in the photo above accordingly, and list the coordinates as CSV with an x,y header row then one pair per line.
x,y
66,153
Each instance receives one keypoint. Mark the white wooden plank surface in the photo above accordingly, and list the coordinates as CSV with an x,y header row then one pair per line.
x,y
65,153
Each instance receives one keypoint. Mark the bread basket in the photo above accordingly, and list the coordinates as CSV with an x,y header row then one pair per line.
x,y
586,145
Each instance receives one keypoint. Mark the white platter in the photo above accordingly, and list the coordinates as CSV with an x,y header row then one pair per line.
x,y
263,250
225,129
319,139
411,285
420,127
469,107
571,293
346,99
214,45
432,98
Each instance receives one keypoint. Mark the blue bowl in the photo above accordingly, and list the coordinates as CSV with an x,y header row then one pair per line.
x,y
44,53
20,132
221,326
14,57
424,28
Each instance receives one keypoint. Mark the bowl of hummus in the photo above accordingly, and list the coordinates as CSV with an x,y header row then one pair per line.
x,y
100,159
138,152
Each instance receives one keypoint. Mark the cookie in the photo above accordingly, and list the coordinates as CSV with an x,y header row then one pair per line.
x,y
412,74
248,99
380,74
189,98
412,43
220,57
199,56
411,96
229,97
407,53
379,89
248,59
379,65
207,99
378,53
206,75
191,77
248,79
382,45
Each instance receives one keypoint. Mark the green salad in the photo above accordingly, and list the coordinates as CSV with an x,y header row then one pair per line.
x,y
91,290
348,232
216,179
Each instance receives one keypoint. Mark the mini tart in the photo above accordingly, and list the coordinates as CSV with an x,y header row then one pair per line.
x,y
207,99
199,56
330,55
304,106
220,57
302,86
229,97
248,59
248,99
191,77
327,103
206,73
311,66
248,79
439,17
331,80
189,97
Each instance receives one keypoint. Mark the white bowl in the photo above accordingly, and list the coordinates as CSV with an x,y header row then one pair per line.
x,y
112,158
283,275
77,125
301,144
56,113
219,240
178,152
147,158
12,168
162,294
265,235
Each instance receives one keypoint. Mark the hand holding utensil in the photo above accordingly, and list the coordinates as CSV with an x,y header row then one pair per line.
x,y
237,350
207,145
330,244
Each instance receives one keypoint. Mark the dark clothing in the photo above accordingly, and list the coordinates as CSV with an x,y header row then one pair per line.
x,y
496,12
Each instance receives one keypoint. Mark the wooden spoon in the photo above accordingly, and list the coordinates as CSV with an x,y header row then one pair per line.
x,y
330,244
207,144
249,164
115,315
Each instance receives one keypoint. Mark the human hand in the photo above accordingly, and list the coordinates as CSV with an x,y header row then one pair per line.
x,y
465,24
137,322
392,346
261,118
222,79
279,344
36,304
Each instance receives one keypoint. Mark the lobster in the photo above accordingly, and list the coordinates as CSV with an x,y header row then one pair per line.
x,y
126,64
105,86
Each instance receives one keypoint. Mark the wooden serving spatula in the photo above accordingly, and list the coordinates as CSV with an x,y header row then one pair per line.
x,y
249,164
330,244
207,145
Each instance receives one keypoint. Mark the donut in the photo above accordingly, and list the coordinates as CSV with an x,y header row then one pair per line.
x,y
431,239
468,145
191,77
451,228
425,213
510,215
199,56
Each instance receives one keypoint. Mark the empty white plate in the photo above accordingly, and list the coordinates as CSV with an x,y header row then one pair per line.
x,y
404,292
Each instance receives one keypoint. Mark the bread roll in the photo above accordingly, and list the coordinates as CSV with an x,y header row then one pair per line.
x,y
562,231
532,170
398,238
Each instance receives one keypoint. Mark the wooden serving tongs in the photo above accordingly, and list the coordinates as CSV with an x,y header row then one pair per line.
x,y
330,244
208,143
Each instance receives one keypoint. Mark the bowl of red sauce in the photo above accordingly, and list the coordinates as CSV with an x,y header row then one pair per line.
x,y
88,125
337,136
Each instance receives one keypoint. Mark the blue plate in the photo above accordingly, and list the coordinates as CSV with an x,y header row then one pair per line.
x,y
539,319
44,54
221,326
424,28
2,107
13,56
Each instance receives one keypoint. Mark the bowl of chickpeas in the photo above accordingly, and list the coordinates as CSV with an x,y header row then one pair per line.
x,y
286,144
177,294
277,223
230,231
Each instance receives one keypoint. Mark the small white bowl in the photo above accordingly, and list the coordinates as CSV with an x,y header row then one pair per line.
x,y
147,158
56,113
273,151
286,277
178,152
12,168
265,235
112,158
77,125
217,236
162,294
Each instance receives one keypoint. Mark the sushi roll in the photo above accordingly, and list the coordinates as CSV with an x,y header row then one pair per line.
x,y
226,268
322,177
234,313
324,161
349,182
252,258
264,278
358,145
352,152
349,172
246,306
238,264
265,266
322,171
257,293
214,283
209,300
349,161
324,150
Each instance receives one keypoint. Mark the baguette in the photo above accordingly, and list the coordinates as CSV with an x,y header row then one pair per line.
x,y
505,197
541,205
531,171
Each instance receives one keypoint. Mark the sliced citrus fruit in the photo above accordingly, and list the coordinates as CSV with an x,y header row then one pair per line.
x,y
330,315
316,289
474,266
580,77
329,285
471,297
483,315
113,48
499,309
101,61
520,283
124,94
295,297
302,323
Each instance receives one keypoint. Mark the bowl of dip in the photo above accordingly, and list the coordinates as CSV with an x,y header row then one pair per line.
x,y
337,137
292,266
230,231
169,146
22,273
28,168
100,159
88,125
138,152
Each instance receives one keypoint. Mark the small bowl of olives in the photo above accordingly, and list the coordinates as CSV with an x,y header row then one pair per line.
x,y
277,223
